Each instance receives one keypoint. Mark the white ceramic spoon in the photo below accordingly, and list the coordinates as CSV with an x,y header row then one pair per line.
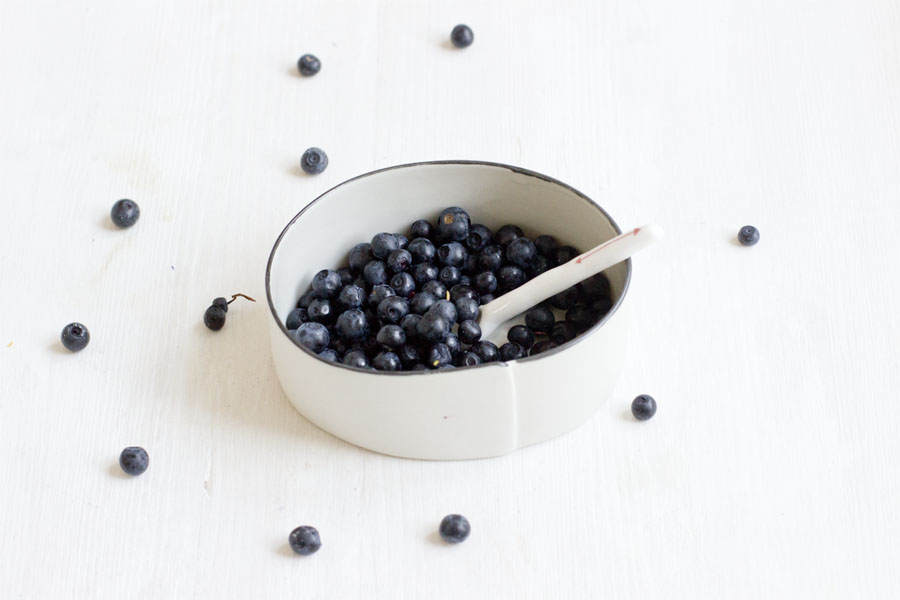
x,y
553,281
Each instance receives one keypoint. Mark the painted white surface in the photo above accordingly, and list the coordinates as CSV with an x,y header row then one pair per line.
x,y
771,469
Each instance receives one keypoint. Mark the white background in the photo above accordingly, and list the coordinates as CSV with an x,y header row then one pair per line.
x,y
771,469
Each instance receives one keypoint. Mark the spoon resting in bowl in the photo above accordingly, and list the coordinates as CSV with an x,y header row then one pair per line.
x,y
597,259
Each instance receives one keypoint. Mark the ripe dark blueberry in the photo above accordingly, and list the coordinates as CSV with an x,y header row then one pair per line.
x,y
453,343
545,244
486,282
134,460
352,325
379,293
521,335
564,254
386,361
469,332
340,346
452,225
433,327
305,540
361,283
491,259
329,355
296,318
542,347
471,267
214,318
420,229
562,332
408,324
422,250
76,336
468,359
566,299
506,234
313,161
449,276
392,309
305,299
326,283
313,335
351,296
601,306
747,236
371,346
356,358
221,303
521,252
421,302
308,65
486,350
596,286
581,317
402,240
446,309
467,309
360,256
321,311
462,36
485,299
539,265
438,356
424,272
408,355
462,291
509,278
510,351
383,244
540,319
375,272
643,407
391,336
436,288
465,280
479,237
452,254
399,260
125,213
404,285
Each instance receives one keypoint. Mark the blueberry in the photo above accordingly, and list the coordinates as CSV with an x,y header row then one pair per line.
x,y
467,309
221,303
747,236
408,324
452,342
313,161
313,335
479,237
471,266
438,356
339,345
214,318
521,252
469,332
449,276
422,250
564,254
465,280
356,358
486,282
510,351
326,283
433,327
421,302
462,36
402,240
596,286
392,309
509,278
542,347
545,244
375,272
352,296
506,234
403,284
305,540
601,306
424,272
452,254
371,346
386,361
321,311
566,299
486,350
296,318
462,291
436,288
360,256
491,258
539,265
134,460
125,213
452,225
379,293
409,356
399,260
562,332
485,299
76,336
391,336
383,244
454,529
643,407
521,335
420,229
446,309
468,359
305,299
329,355
539,319
581,317
308,65
352,325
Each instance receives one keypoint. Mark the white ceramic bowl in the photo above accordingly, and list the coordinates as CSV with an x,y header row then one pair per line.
x,y
475,412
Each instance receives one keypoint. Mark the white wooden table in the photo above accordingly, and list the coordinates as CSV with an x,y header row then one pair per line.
x,y
771,469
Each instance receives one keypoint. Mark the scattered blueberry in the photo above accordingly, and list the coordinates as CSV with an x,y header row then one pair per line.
x,y
506,234
308,65
452,342
747,236
492,258
439,356
433,327
213,318
125,213
462,291
420,229
360,256
313,335
596,286
409,324
352,325
455,529
449,276
509,278
399,260
305,540
403,284
76,336
452,254
379,293
462,36
521,335
479,237
383,244
545,244
346,275
446,309
643,407
486,282
542,347
296,318
469,332
539,265
391,336
386,361
521,252
564,254
326,283
468,359
375,272
221,303
402,240
330,355
314,161
134,460
581,317
562,332
424,272
486,350
392,309
436,288
485,299
321,311
422,250
566,299
452,225
467,309
511,351
421,303
540,319
356,358
351,296
409,356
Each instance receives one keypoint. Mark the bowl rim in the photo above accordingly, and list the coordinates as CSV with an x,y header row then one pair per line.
x,y
498,363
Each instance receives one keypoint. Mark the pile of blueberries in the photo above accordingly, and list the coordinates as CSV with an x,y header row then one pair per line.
x,y
408,303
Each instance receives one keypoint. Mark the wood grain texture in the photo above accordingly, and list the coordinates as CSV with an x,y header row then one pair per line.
x,y
771,470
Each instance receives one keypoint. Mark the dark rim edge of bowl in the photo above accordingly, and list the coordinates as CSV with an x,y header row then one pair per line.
x,y
517,170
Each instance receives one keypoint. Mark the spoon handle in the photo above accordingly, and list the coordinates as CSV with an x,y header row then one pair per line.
x,y
553,281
